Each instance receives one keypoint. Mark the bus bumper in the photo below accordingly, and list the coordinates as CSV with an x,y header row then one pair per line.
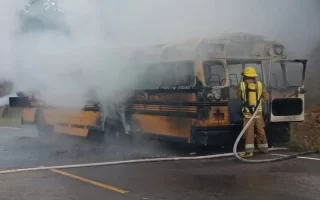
x,y
96,128
214,136
76,130
227,135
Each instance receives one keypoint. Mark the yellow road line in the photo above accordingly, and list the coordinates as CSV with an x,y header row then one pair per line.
x,y
105,186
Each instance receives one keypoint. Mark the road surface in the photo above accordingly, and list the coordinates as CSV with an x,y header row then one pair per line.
x,y
224,178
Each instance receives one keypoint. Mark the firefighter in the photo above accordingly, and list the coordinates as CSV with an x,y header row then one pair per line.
x,y
252,92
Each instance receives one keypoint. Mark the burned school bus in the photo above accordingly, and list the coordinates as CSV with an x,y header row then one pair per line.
x,y
187,91
65,120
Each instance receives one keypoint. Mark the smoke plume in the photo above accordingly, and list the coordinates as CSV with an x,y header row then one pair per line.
x,y
63,48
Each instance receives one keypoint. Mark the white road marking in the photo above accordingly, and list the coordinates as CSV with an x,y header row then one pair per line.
x,y
224,155
4,127
300,157
309,158
276,154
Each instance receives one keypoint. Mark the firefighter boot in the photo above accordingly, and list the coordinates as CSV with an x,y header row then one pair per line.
x,y
246,155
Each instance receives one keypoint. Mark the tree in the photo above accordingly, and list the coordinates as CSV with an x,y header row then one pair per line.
x,y
43,15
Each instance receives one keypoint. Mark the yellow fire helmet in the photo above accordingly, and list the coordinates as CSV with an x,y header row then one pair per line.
x,y
250,72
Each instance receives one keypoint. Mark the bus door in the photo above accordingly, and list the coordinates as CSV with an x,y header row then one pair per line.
x,y
235,68
286,87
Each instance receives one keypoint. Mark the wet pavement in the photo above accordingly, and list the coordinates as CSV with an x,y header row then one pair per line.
x,y
224,178
30,150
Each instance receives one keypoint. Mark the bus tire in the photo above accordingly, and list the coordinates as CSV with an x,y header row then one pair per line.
x,y
136,135
111,133
94,136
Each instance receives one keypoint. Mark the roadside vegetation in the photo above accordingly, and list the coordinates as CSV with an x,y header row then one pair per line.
x,y
306,135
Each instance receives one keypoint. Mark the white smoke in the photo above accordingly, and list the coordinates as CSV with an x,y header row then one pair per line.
x,y
63,64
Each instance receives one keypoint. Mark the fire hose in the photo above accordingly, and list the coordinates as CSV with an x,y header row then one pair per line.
x,y
264,160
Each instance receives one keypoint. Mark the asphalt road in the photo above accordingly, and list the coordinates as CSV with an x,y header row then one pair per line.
x,y
218,179
29,150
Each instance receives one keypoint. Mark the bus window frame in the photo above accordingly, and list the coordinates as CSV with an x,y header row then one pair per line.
x,y
194,74
245,62
284,68
149,66
223,63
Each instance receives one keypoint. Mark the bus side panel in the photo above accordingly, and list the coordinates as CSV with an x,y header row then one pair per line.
x,y
81,132
174,127
28,115
71,122
176,120
174,96
218,116
50,116
169,120
80,118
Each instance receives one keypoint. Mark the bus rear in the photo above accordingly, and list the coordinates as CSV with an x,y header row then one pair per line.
x,y
76,122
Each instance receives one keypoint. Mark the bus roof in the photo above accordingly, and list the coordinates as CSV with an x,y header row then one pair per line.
x,y
237,44
231,59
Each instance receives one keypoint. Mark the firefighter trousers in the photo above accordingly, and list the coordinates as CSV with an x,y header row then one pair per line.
x,y
256,127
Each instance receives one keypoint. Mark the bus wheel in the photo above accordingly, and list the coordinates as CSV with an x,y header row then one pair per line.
x,y
111,134
135,134
136,138
115,133
94,136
